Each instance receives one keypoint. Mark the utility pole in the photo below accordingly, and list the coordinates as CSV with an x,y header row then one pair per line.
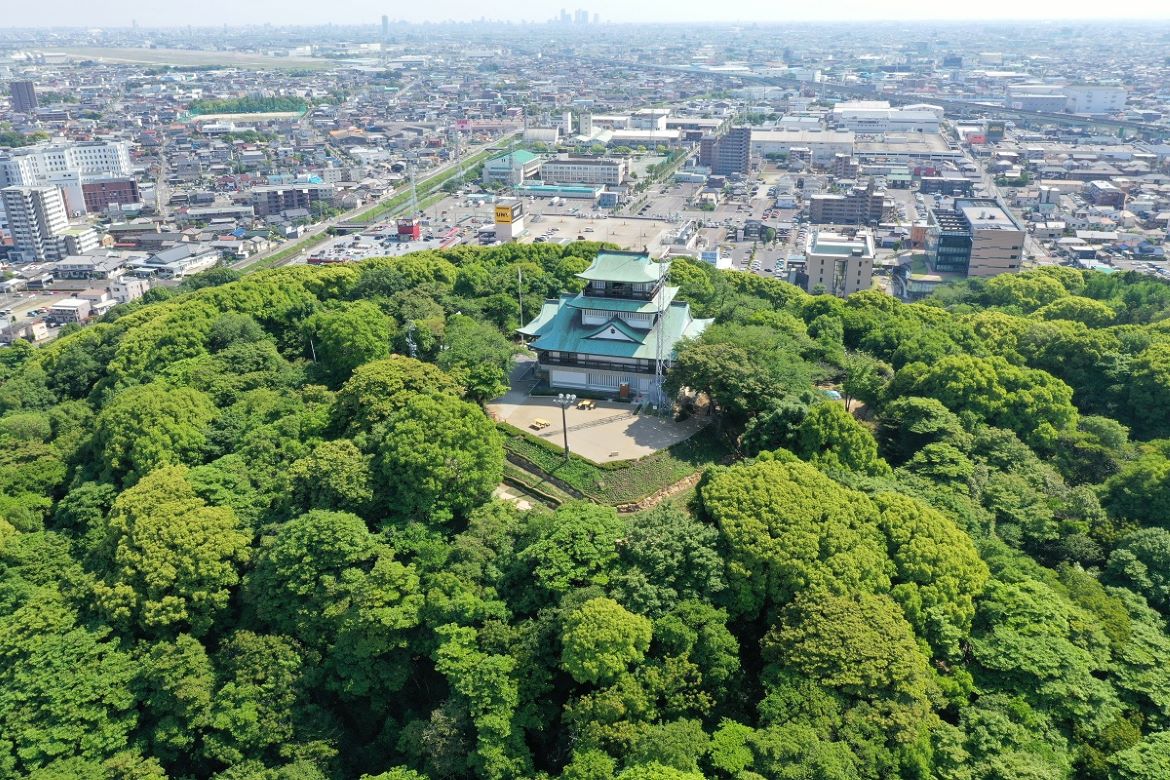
x,y
520,296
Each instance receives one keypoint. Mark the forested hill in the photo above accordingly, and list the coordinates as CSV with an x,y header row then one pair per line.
x,y
246,537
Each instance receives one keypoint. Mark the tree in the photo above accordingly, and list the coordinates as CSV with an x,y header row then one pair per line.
x,y
1149,391
787,529
601,639
255,708
336,475
152,425
906,425
742,368
325,579
1142,563
172,560
860,646
939,572
179,684
478,357
1023,400
65,690
438,457
833,438
1147,760
377,390
1095,314
1141,491
345,338
865,379
668,557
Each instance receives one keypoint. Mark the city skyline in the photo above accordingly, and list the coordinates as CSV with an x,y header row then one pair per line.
x,y
121,13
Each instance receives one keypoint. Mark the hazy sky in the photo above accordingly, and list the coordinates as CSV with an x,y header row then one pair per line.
x,y
120,13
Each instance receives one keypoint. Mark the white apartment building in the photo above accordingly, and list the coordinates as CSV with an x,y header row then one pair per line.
x,y
585,170
37,220
877,117
65,165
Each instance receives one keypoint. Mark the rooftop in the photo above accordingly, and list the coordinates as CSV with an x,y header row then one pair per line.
x,y
630,267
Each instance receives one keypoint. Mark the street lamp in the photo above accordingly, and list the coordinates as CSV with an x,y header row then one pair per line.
x,y
564,401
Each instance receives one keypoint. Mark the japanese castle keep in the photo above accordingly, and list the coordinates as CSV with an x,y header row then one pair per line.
x,y
606,338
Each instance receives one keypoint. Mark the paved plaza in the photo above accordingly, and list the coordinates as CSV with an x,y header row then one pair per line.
x,y
610,431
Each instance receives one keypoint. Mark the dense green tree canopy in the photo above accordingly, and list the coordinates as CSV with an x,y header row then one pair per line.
x,y
247,531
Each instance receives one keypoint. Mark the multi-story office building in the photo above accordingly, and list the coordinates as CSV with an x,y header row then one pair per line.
x,y
839,264
857,206
729,153
585,170
978,238
948,242
37,220
24,96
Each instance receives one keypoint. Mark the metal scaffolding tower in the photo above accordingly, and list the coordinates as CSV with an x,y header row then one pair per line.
x,y
661,351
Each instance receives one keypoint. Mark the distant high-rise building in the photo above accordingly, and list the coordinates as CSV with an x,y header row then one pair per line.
x,y
566,17
597,18
385,27
37,220
24,96
582,16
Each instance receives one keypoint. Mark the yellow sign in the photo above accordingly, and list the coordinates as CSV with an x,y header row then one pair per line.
x,y
504,215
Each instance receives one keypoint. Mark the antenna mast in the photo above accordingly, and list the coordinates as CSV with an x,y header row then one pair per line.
x,y
661,353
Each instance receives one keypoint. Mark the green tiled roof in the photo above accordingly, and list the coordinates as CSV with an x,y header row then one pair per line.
x,y
582,301
561,331
630,267
518,157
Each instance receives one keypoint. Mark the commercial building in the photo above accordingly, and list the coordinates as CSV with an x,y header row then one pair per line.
x,y
509,213
978,238
839,263
1074,98
37,220
856,206
512,168
729,153
876,117
1096,98
609,337
585,170
100,195
24,96
822,145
